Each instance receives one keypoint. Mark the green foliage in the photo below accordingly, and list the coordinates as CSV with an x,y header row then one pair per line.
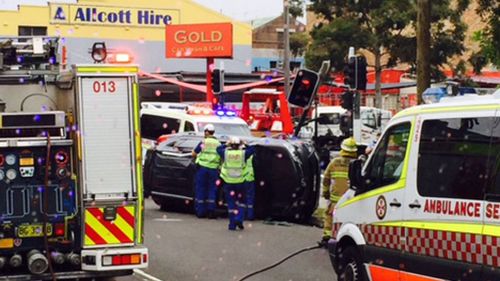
x,y
387,27
298,43
489,38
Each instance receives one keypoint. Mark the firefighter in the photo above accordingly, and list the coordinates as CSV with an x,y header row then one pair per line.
x,y
335,182
208,162
250,188
234,158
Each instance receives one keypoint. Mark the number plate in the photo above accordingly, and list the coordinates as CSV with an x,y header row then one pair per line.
x,y
33,230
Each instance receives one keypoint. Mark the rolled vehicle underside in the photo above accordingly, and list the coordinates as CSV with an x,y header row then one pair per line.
x,y
287,176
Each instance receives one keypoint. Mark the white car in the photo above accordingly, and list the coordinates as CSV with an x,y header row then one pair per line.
x,y
162,118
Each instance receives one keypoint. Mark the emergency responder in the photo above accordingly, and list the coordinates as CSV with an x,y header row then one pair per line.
x,y
335,182
208,162
250,188
234,159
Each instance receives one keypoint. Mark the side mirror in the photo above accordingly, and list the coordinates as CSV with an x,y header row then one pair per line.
x,y
379,120
355,177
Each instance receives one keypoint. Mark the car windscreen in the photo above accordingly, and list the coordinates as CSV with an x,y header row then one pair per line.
x,y
227,129
329,119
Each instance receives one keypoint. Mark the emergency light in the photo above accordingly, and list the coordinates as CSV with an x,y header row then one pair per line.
x,y
227,113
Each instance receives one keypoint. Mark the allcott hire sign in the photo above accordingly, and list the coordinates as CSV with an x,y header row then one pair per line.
x,y
111,15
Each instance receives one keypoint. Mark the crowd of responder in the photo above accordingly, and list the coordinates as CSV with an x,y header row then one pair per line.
x,y
235,162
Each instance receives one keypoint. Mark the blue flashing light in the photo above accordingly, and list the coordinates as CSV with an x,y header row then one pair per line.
x,y
224,112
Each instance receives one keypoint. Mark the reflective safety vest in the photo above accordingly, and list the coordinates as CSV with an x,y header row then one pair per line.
x,y
208,157
233,167
340,175
249,175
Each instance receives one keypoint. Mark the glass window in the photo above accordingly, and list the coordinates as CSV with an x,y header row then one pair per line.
x,y
368,119
154,126
329,119
228,129
188,127
387,161
494,160
32,30
453,157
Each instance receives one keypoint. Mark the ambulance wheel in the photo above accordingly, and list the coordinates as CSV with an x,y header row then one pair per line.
x,y
351,265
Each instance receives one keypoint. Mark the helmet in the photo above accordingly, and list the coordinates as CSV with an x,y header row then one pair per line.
x,y
235,141
349,145
209,127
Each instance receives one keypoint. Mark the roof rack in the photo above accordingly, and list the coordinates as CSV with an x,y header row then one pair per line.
x,y
28,57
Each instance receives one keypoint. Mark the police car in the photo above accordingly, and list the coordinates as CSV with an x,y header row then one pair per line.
x,y
162,119
426,204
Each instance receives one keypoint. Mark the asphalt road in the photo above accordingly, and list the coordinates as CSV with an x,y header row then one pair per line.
x,y
185,248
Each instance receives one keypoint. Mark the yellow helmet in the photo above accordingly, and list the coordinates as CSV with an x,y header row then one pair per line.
x,y
349,145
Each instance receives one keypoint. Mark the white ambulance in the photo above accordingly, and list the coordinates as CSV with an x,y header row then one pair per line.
x,y
426,204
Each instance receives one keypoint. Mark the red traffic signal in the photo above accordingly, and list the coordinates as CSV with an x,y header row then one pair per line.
x,y
304,88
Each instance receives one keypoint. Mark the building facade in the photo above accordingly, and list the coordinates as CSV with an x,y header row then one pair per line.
x,y
268,44
134,26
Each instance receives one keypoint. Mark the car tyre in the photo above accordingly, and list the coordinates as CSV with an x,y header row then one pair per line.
x,y
351,266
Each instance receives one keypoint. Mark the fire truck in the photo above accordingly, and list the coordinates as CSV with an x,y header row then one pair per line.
x,y
71,198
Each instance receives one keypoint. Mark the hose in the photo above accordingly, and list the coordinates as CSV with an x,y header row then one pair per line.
x,y
45,209
280,262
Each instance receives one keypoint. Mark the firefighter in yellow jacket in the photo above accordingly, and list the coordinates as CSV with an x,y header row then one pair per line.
x,y
335,182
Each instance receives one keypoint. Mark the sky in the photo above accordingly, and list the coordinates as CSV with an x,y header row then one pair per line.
x,y
243,10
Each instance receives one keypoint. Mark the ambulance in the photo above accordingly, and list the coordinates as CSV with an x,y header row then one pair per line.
x,y
426,204
71,196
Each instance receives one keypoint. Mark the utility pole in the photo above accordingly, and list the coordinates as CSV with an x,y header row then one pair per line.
x,y
286,56
423,47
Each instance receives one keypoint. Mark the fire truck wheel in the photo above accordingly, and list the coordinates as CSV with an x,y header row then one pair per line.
x,y
351,267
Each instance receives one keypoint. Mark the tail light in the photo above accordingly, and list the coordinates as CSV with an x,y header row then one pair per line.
x,y
161,139
128,259
60,229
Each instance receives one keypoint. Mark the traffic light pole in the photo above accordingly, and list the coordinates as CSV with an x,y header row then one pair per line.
x,y
210,93
356,117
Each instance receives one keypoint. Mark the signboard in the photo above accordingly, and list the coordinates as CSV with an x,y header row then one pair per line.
x,y
111,15
213,40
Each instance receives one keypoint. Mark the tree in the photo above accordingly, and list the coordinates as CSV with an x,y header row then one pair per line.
x,y
489,38
386,29
298,43
370,25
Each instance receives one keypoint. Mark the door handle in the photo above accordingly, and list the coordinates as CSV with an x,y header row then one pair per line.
x,y
415,205
395,203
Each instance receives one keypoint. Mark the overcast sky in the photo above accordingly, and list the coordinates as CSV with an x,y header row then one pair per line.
x,y
243,10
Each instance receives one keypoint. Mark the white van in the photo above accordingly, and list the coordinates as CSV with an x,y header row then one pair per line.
x,y
426,204
373,121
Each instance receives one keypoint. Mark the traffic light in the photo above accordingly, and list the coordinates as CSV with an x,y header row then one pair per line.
x,y
347,100
350,73
218,81
361,73
304,88
355,73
